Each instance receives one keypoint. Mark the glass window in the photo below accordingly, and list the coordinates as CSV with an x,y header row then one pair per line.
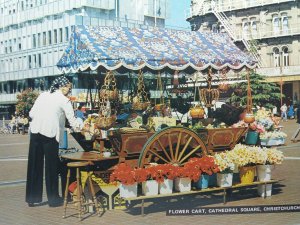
x,y
60,35
66,33
34,41
285,55
39,60
55,36
39,40
276,57
285,25
44,38
29,62
276,25
49,37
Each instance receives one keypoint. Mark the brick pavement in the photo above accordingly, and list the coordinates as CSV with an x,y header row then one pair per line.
x,y
15,211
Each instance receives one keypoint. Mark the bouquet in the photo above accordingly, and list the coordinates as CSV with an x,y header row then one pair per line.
x,y
224,162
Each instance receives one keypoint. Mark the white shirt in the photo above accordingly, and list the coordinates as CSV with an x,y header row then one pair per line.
x,y
49,113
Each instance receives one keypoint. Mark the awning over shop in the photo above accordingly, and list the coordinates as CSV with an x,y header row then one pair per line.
x,y
154,48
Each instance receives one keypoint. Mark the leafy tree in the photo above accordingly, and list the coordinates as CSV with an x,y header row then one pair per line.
x,y
263,93
25,101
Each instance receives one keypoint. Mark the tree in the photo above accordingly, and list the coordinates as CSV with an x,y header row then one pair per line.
x,y
263,93
25,101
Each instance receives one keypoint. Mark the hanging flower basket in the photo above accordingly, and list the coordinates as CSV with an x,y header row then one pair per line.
x,y
249,118
223,87
140,106
110,94
105,122
197,112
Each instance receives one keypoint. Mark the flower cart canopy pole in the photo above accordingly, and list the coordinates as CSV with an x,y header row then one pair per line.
x,y
152,48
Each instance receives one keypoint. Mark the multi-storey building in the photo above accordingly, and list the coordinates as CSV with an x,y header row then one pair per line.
x,y
269,29
34,34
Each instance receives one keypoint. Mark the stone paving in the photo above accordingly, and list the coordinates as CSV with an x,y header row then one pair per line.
x,y
14,210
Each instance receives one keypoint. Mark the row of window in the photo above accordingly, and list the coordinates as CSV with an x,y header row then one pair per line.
x,y
281,58
30,61
12,7
278,24
37,40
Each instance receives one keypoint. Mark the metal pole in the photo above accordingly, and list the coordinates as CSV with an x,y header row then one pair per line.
x,y
116,8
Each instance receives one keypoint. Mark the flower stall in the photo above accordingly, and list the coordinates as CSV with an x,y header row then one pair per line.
x,y
121,126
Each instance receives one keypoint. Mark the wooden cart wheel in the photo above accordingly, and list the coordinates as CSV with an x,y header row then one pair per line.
x,y
174,145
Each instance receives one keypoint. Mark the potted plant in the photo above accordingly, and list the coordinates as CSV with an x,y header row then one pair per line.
x,y
244,157
207,167
271,157
226,167
126,177
252,135
273,138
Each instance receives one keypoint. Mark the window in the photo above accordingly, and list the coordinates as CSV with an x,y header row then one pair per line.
x,y
55,36
253,27
60,35
39,60
276,24
39,40
49,37
29,62
66,33
245,28
19,44
285,56
44,39
276,57
285,24
34,41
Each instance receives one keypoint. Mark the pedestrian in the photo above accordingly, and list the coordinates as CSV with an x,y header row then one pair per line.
x,y
298,121
79,113
48,115
290,112
283,110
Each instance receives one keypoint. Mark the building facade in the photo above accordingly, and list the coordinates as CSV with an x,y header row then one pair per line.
x,y
34,34
269,29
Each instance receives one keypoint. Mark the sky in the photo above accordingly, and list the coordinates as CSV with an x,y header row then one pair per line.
x,y
176,18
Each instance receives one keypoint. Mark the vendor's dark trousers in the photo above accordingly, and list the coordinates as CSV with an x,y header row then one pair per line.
x,y
40,147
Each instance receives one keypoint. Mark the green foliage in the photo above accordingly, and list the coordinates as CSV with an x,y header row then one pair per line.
x,y
263,93
25,101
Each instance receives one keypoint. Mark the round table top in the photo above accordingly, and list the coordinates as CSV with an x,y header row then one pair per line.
x,y
87,156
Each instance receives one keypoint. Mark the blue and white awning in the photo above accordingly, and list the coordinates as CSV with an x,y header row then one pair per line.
x,y
155,48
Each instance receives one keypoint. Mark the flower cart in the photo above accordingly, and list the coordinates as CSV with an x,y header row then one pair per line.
x,y
157,50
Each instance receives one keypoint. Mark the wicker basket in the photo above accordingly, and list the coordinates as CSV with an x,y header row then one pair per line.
x,y
140,105
105,122
111,94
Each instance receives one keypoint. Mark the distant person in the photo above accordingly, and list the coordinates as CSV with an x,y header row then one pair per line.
x,y
274,111
79,113
283,110
13,124
48,114
295,135
290,112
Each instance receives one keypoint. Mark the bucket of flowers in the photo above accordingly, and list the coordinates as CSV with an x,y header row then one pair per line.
x,y
269,157
184,176
226,167
273,138
207,167
126,178
245,158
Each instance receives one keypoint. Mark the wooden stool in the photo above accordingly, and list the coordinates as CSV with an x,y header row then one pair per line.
x,y
80,202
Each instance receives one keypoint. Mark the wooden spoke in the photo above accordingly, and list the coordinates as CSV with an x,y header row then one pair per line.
x,y
184,148
164,150
190,153
157,155
170,146
178,145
